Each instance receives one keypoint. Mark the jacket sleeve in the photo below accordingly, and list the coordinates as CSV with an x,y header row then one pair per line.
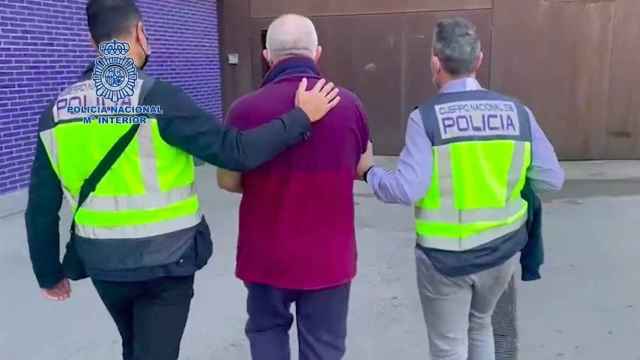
x,y
532,255
184,125
545,172
41,217
410,181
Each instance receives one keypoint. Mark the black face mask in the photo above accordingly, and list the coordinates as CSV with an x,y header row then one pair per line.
x,y
146,60
146,56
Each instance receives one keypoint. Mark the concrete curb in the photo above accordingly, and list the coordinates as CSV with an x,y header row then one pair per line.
x,y
13,203
601,170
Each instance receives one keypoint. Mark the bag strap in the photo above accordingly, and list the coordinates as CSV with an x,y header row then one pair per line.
x,y
90,183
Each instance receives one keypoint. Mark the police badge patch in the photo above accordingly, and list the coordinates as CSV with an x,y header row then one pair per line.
x,y
115,74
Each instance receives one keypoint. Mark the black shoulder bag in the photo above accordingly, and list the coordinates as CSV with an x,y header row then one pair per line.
x,y
72,264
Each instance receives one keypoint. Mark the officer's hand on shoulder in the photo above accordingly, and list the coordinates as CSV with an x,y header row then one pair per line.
x,y
317,102
60,292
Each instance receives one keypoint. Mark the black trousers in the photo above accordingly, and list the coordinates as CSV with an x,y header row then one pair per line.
x,y
150,315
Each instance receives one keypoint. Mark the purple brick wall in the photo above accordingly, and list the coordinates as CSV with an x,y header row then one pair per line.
x,y
44,46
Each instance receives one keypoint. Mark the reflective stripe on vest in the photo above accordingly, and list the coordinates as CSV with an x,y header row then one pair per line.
x,y
459,219
138,231
148,201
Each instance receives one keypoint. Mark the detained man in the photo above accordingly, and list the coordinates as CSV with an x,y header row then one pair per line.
x,y
296,241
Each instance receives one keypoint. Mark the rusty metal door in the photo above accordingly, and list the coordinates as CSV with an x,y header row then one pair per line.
x,y
570,61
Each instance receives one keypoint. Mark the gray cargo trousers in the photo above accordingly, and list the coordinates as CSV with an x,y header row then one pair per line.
x,y
458,310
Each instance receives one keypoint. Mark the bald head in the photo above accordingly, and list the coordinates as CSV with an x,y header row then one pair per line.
x,y
291,35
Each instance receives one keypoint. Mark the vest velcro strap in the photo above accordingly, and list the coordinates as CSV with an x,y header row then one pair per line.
x,y
470,242
113,219
138,231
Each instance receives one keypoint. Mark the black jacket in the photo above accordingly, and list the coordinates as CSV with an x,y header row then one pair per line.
x,y
183,125
532,256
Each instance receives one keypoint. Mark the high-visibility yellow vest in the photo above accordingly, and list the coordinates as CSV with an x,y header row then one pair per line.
x,y
149,191
481,152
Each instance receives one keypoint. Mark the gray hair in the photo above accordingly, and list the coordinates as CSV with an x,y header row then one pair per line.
x,y
292,35
457,45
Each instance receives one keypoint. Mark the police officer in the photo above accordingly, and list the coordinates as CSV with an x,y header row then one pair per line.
x,y
467,156
140,234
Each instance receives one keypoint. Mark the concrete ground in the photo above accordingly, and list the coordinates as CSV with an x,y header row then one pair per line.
x,y
587,307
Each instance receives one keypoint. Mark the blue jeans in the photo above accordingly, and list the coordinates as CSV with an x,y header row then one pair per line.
x,y
321,317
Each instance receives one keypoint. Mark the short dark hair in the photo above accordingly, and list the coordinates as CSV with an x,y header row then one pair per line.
x,y
457,45
108,19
